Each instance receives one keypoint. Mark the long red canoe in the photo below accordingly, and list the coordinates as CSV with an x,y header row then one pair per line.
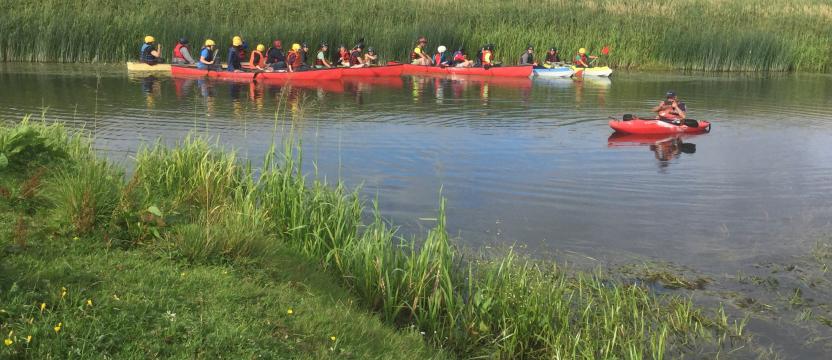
x,y
501,71
658,127
321,74
331,86
373,71
187,71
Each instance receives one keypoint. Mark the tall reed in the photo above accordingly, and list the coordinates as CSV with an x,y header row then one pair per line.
x,y
742,35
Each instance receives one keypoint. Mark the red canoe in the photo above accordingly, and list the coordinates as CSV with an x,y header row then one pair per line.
x,y
187,71
322,74
659,127
330,86
373,71
501,71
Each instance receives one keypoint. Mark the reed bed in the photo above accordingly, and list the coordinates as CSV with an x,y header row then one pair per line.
x,y
711,35
201,203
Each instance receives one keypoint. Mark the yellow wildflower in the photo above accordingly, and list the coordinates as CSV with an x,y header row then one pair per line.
x,y
115,297
332,338
63,292
8,342
290,312
29,339
76,238
42,307
89,302
58,327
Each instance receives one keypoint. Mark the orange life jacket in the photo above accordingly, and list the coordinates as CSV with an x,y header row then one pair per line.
x,y
294,59
487,60
257,59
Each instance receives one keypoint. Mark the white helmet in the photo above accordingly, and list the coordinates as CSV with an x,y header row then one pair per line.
x,y
441,48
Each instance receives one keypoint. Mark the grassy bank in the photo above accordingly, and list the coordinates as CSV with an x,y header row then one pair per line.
x,y
193,232
732,35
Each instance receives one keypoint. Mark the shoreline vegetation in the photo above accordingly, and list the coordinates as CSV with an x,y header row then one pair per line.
x,y
202,254
709,35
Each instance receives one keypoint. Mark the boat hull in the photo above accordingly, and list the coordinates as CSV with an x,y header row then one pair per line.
x,y
657,127
603,71
496,71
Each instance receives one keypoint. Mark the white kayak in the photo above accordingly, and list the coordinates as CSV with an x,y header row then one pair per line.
x,y
593,71
555,72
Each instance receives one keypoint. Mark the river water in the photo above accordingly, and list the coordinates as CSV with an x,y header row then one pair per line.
x,y
522,161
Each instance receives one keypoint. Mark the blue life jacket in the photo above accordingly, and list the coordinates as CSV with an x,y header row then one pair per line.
x,y
145,55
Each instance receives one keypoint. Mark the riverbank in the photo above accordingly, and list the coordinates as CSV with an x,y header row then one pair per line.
x,y
205,257
733,35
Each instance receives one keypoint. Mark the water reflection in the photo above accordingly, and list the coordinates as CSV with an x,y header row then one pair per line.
x,y
665,148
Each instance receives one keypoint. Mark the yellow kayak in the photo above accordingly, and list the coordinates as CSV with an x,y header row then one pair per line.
x,y
593,71
141,67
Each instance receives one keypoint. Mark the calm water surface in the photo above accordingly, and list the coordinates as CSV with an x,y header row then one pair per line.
x,y
520,161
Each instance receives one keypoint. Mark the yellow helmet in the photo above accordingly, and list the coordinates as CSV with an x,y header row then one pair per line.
x,y
149,39
209,42
582,51
261,47
295,46
237,41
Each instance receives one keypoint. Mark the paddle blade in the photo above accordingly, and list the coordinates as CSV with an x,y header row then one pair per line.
x,y
605,50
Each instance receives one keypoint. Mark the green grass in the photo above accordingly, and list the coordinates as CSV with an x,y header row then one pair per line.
x,y
194,232
735,35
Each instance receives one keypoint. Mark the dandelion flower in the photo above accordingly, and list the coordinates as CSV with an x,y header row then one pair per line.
x,y
332,338
89,302
42,307
8,342
57,328
29,339
290,311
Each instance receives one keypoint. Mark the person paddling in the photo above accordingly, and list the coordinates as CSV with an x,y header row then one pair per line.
x,y
275,57
320,60
233,60
441,57
182,54
582,60
371,58
552,58
527,58
294,60
149,53
419,56
343,56
460,59
258,59
304,53
671,109
207,56
356,60
488,56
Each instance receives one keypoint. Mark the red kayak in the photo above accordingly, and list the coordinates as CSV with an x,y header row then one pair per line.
x,y
501,71
373,71
188,71
660,127
319,74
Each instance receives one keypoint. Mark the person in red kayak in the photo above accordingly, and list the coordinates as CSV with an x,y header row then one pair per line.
x,y
460,59
343,56
671,108
419,56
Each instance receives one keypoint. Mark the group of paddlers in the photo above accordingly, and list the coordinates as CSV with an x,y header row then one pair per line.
x,y
297,57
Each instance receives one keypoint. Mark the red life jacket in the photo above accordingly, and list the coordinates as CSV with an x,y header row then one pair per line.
x,y
584,58
319,61
345,56
354,55
437,59
257,59
177,52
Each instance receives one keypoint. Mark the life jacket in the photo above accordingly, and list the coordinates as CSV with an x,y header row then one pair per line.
x,y
275,55
344,55
581,57
459,57
354,55
438,58
177,51
294,59
210,56
552,57
257,59
145,55
318,60
303,56
414,55
487,57
234,62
